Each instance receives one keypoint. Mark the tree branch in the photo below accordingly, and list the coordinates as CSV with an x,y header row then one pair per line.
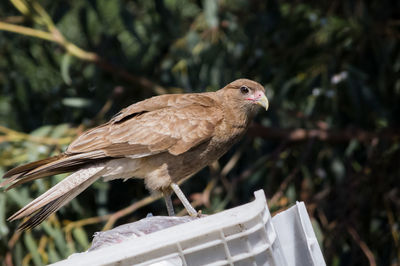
x,y
334,136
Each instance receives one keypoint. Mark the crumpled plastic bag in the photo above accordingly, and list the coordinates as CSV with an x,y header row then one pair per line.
x,y
136,229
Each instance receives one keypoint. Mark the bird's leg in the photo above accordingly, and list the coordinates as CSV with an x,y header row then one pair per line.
x,y
168,202
191,211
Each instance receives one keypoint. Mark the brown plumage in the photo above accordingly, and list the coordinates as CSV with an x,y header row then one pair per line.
x,y
163,140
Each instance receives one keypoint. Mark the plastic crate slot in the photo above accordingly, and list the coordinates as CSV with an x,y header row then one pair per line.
x,y
202,246
175,257
214,253
200,241
245,233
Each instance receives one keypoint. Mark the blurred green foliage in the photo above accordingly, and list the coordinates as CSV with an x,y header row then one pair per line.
x,y
331,68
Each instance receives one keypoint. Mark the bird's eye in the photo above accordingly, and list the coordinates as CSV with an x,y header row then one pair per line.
x,y
244,90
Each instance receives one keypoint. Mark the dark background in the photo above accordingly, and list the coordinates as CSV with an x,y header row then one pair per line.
x,y
331,70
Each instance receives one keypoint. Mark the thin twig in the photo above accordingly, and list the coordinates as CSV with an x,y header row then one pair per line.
x,y
230,165
367,251
282,187
392,223
15,136
113,217
11,243
27,31
121,213
13,19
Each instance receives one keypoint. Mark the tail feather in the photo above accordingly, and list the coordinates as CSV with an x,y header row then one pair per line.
x,y
54,165
42,214
30,166
18,172
53,199
17,180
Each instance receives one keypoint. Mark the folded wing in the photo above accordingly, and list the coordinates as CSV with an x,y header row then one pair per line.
x,y
170,123
141,133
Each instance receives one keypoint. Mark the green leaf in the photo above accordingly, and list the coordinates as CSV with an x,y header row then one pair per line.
x,y
211,13
65,64
318,232
338,168
19,253
76,102
60,131
31,245
81,236
53,254
3,226
20,196
58,237
42,131
353,145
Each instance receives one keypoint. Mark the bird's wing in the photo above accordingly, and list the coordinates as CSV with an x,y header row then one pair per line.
x,y
164,101
178,125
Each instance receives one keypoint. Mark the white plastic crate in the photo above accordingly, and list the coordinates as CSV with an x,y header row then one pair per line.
x,y
245,235
297,236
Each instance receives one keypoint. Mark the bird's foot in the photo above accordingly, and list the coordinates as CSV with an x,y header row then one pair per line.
x,y
200,214
189,208
168,203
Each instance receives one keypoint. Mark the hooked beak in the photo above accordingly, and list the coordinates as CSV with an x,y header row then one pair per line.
x,y
263,101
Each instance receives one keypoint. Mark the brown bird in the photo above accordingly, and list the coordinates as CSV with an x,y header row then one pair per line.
x,y
163,140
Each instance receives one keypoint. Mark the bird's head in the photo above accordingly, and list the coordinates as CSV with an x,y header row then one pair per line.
x,y
246,94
